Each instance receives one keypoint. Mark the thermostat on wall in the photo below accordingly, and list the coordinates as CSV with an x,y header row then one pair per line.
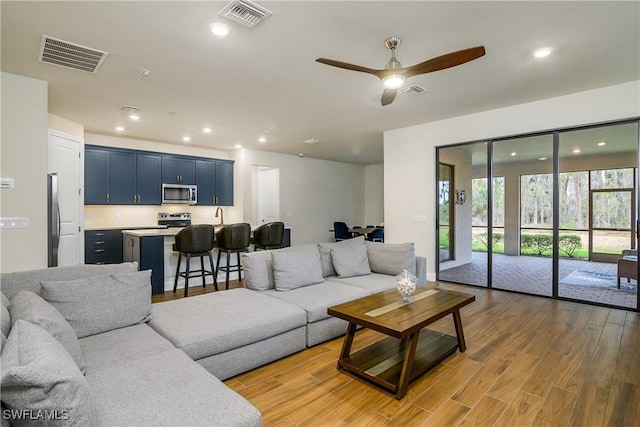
x,y
6,182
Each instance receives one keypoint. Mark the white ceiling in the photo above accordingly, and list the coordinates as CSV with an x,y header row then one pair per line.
x,y
265,78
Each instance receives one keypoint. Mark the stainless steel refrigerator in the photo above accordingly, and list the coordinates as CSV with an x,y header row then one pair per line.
x,y
53,222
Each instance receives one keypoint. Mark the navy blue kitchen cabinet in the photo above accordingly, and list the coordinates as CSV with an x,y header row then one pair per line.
x,y
148,179
178,170
122,178
96,176
117,176
214,179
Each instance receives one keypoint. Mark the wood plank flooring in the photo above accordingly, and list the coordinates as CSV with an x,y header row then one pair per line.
x,y
530,361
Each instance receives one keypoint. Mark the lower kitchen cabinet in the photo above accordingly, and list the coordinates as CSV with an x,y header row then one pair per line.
x,y
148,252
103,246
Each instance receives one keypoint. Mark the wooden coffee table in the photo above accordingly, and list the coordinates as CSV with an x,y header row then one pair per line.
x,y
410,350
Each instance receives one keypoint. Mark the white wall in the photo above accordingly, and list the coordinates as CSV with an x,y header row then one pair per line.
x,y
373,194
313,193
409,153
23,154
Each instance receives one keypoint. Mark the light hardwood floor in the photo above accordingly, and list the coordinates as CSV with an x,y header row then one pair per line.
x,y
530,361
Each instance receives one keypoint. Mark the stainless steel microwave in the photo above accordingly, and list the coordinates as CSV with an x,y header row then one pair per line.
x,y
179,194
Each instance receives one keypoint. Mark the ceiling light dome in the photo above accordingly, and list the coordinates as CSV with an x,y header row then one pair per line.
x,y
543,52
218,29
393,81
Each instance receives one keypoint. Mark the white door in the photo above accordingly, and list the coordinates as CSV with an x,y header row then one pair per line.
x,y
268,194
64,159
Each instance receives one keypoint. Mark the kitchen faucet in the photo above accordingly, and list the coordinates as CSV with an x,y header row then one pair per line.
x,y
219,209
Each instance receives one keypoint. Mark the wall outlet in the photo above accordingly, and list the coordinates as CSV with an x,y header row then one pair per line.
x,y
20,222
6,183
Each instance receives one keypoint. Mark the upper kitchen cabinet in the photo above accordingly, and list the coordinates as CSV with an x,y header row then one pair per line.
x,y
96,176
121,177
214,179
178,170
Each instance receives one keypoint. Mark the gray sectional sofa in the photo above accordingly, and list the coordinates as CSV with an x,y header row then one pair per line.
x,y
85,345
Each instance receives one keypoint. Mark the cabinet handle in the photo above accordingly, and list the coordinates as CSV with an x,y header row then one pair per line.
x,y
99,251
99,234
108,197
100,242
100,262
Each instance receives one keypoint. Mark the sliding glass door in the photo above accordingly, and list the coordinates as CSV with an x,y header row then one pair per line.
x,y
552,214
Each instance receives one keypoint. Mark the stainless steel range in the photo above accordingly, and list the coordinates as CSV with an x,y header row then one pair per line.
x,y
174,219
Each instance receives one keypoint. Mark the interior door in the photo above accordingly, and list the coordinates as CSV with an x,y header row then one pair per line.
x,y
64,159
268,194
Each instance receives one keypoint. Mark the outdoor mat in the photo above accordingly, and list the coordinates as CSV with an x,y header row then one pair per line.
x,y
595,278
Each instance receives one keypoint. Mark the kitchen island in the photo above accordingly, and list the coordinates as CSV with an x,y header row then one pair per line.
x,y
152,249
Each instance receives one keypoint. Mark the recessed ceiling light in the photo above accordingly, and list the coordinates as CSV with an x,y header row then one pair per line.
x,y
238,146
543,52
601,143
311,141
206,130
145,73
262,139
119,128
542,158
219,30
513,154
576,151
186,138
134,117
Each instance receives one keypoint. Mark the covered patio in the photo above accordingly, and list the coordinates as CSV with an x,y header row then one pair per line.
x,y
533,275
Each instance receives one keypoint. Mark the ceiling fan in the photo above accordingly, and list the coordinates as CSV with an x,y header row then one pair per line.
x,y
393,75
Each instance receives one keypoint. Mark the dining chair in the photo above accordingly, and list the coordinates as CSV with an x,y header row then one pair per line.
x,y
341,231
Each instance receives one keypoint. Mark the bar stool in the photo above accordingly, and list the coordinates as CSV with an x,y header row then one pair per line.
x,y
268,236
233,238
194,240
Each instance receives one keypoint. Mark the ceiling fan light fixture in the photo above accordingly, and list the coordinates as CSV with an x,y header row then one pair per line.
x,y
393,81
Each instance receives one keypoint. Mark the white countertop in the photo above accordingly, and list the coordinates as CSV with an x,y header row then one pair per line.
x,y
116,227
153,232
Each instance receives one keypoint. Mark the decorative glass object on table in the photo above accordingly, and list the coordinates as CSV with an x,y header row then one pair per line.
x,y
406,284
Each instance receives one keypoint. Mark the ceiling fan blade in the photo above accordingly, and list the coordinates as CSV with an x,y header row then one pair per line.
x,y
347,66
388,96
446,61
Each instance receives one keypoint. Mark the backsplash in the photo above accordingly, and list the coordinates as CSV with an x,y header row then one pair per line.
x,y
96,217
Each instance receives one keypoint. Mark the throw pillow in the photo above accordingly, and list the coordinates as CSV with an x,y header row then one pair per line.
x,y
39,375
296,267
325,253
391,258
101,304
258,271
5,300
32,308
5,321
350,262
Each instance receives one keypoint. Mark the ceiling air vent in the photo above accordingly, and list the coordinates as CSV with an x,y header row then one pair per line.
x,y
245,12
129,109
413,90
70,55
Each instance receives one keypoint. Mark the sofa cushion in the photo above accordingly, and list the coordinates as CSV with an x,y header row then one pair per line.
x,y
100,304
296,267
39,374
167,389
5,321
374,282
209,324
32,308
30,280
325,253
122,345
258,270
315,299
350,261
391,258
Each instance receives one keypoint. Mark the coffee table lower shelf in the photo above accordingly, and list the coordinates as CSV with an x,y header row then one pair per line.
x,y
383,361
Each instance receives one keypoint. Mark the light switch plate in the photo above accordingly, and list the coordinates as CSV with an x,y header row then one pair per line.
x,y
19,222
6,183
